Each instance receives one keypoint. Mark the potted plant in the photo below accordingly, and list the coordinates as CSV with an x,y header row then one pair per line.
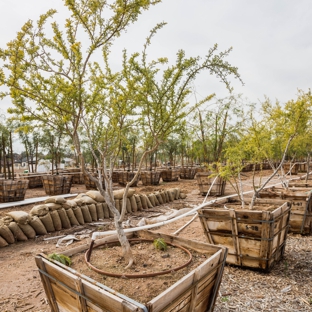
x,y
254,230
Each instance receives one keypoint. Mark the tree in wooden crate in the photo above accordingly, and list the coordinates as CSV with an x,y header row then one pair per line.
x,y
59,83
267,139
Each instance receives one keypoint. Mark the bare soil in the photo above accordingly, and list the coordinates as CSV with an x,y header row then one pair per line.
x,y
288,287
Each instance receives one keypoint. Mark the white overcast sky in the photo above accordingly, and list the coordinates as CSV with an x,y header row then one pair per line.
x,y
271,40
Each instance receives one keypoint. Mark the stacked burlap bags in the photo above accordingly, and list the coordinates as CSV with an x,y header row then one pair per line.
x,y
57,213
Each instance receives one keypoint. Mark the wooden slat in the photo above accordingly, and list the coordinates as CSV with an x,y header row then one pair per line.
x,y
46,285
235,236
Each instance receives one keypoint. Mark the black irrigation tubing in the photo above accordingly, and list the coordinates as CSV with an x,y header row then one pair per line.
x,y
89,252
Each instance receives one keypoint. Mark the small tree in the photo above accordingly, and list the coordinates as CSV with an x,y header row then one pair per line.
x,y
87,99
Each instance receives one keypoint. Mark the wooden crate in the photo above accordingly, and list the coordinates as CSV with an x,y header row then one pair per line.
x,y
170,175
204,183
33,178
300,200
187,173
291,168
78,177
68,290
150,177
254,238
57,184
12,190
126,176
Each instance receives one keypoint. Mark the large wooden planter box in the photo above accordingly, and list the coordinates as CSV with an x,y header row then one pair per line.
x,y
300,200
77,175
126,176
292,168
57,184
12,190
187,173
34,179
204,183
68,290
150,177
170,175
254,238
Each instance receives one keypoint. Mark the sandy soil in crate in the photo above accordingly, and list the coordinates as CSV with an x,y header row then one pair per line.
x,y
288,287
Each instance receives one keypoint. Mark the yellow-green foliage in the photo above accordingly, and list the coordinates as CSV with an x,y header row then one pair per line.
x,y
60,258
160,244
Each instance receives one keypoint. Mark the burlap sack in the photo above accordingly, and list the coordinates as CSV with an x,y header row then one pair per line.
x,y
171,194
69,204
7,220
17,232
53,206
47,222
93,213
118,194
163,196
96,195
72,218
39,210
78,214
149,204
3,242
138,202
134,206
20,217
56,220
177,193
6,233
129,210
64,218
105,210
159,198
86,214
38,226
99,211
83,199
183,195
151,198
28,230
56,200
144,201
166,196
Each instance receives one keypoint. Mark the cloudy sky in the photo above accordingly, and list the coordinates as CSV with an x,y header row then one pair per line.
x,y
271,40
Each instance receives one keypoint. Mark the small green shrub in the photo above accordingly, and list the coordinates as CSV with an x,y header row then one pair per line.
x,y
160,244
60,258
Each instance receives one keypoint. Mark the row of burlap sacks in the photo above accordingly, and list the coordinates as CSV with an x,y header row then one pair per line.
x,y
57,213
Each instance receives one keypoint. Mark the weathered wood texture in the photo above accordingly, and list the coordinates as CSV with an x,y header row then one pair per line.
x,y
300,200
57,184
150,177
204,183
33,178
12,190
170,175
126,176
68,290
188,173
291,168
255,238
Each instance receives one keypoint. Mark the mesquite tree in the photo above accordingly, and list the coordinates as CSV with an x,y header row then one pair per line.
x,y
57,82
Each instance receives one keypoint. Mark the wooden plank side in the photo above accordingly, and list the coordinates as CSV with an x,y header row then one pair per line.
x,y
66,295
46,284
186,283
265,236
236,243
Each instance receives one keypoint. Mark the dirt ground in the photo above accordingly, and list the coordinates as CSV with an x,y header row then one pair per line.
x,y
288,287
